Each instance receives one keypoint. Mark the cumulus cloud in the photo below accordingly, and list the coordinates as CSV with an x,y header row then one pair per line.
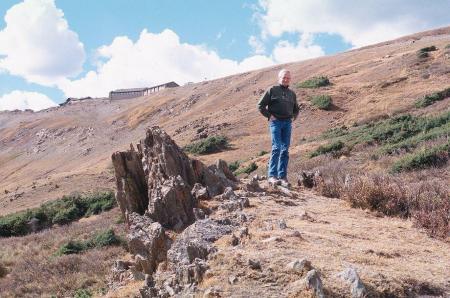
x,y
21,100
153,59
285,51
358,22
38,45
256,44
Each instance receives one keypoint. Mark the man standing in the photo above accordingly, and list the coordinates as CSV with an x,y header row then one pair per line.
x,y
279,105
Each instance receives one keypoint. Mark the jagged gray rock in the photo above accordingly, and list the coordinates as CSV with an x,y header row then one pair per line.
x,y
314,282
147,241
299,266
172,204
357,288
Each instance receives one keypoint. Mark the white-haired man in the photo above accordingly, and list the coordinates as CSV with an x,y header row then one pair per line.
x,y
279,105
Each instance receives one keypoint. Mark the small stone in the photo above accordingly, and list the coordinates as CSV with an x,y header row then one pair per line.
x,y
232,279
282,224
299,266
211,292
199,213
296,234
243,232
357,288
234,240
273,239
314,282
254,264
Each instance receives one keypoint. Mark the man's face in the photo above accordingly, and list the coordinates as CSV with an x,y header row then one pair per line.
x,y
285,79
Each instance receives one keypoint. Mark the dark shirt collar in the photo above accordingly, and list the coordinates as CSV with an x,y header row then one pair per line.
x,y
284,87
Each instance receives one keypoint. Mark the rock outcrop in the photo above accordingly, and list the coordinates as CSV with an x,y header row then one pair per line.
x,y
158,189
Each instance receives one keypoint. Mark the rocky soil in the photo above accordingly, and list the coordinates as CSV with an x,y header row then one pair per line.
x,y
229,238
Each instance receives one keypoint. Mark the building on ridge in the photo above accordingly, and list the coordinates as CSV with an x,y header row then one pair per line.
x,y
136,92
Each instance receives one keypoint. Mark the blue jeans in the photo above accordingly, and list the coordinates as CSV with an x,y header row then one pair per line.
x,y
280,131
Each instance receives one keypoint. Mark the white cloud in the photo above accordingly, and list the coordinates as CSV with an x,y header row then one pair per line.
x,y
21,100
256,44
155,58
358,22
285,51
38,45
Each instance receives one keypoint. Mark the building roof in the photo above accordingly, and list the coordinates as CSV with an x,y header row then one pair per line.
x,y
172,83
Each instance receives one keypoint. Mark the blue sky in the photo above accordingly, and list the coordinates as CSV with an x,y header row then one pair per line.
x,y
53,49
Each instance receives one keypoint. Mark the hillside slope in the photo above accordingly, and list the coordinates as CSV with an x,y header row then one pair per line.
x,y
56,151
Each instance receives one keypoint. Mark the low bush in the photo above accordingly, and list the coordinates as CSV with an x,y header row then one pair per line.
x,y
82,293
429,99
234,165
329,148
427,202
423,52
262,152
247,170
425,158
209,145
315,82
447,46
100,239
323,102
3,270
61,211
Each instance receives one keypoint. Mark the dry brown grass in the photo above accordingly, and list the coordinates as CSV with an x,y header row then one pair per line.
x,y
424,196
34,269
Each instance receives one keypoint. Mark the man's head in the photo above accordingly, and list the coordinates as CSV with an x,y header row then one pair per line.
x,y
284,77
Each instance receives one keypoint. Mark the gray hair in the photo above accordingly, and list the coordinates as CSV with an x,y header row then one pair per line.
x,y
282,72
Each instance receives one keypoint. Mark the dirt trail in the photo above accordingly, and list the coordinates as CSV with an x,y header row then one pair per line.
x,y
391,256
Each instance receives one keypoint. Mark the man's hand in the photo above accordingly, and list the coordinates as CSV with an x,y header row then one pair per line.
x,y
272,117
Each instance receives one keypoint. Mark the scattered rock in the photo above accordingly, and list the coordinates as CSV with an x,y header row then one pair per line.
x,y
282,224
232,279
314,282
211,292
254,264
243,232
273,239
357,288
299,266
200,193
296,234
234,240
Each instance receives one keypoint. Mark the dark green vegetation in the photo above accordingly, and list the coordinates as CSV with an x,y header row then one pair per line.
x,y
429,99
82,293
425,158
61,211
398,134
447,46
323,102
101,239
329,148
234,165
423,52
247,170
315,82
209,145
262,152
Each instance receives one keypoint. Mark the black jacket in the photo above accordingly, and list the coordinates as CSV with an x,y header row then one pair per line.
x,y
279,101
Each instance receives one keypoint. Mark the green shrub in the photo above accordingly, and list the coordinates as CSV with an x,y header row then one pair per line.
x,y
209,145
262,152
323,102
429,99
315,82
104,238
425,158
247,170
423,52
329,148
234,165
71,247
100,239
447,46
82,293
335,132
61,211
